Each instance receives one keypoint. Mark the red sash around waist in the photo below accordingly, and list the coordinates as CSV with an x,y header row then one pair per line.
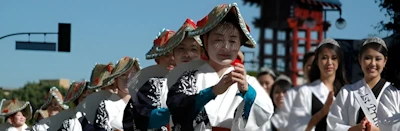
x,y
220,129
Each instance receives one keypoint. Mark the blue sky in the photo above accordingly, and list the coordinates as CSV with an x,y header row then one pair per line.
x,y
104,31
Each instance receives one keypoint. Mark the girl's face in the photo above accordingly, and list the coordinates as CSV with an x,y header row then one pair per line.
x,y
372,63
167,61
123,80
307,66
266,82
18,119
54,108
328,62
278,97
186,51
223,43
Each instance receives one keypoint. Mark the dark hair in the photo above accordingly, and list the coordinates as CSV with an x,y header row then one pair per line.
x,y
340,77
307,56
284,85
76,101
265,73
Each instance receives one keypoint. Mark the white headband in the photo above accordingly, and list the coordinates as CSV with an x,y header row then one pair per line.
x,y
268,70
329,41
284,77
375,40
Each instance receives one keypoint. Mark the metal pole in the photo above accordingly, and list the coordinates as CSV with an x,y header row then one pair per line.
x,y
28,33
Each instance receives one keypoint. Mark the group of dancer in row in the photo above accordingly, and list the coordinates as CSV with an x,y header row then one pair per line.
x,y
200,84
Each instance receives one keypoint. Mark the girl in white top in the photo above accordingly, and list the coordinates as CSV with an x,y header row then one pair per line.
x,y
313,101
356,105
389,104
213,94
290,95
18,112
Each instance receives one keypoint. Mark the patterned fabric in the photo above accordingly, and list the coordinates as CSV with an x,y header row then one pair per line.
x,y
156,89
102,117
65,126
188,83
181,103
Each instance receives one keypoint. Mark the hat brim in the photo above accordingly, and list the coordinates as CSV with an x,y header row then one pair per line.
x,y
215,17
26,108
153,53
74,94
176,40
132,63
54,96
143,76
38,112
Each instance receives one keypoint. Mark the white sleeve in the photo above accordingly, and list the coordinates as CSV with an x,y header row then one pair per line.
x,y
260,112
338,117
284,112
389,110
300,113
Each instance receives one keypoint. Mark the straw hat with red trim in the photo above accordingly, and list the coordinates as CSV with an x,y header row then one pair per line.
x,y
161,40
9,107
216,16
54,93
75,90
124,65
180,35
40,112
99,73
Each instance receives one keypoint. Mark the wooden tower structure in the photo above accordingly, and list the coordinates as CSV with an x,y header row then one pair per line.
x,y
291,18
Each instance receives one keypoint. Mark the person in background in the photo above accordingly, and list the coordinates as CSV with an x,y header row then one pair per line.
x,y
281,85
389,105
164,59
313,101
18,112
54,102
110,111
266,77
150,110
290,95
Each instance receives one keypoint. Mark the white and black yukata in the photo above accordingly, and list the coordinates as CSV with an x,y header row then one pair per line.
x,y
309,100
346,111
194,106
147,108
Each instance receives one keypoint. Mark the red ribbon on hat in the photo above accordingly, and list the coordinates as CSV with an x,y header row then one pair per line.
x,y
109,68
190,22
5,111
202,22
162,39
96,80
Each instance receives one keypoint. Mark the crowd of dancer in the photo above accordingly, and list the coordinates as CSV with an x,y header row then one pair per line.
x,y
200,84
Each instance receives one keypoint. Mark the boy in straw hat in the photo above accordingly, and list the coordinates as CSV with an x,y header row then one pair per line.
x,y
149,91
162,58
110,111
204,95
18,112
85,110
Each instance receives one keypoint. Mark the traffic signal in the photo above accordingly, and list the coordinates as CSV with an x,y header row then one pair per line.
x,y
64,37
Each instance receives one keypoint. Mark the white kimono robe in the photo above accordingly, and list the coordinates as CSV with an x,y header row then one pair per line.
x,y
53,122
280,118
12,128
344,112
110,113
389,110
301,111
193,106
149,91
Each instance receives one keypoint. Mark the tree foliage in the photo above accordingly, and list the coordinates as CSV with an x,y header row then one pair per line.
x,y
392,10
32,92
